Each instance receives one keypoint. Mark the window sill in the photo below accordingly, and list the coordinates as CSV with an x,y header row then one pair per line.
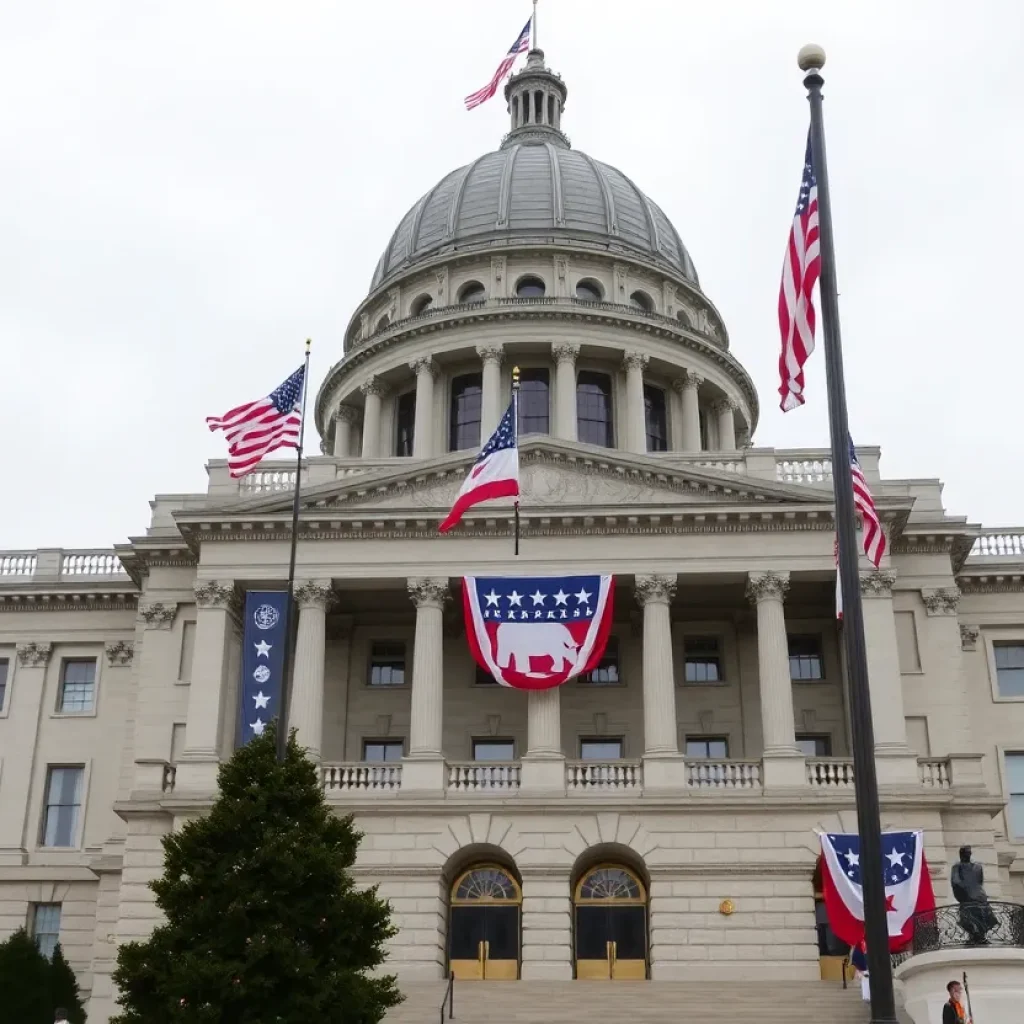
x,y
182,682
810,682
621,685
385,687
703,682
1009,700
73,714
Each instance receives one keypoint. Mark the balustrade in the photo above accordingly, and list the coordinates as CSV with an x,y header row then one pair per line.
x,y
934,772
705,774
266,481
375,777
999,544
830,772
480,776
804,471
18,563
590,775
91,563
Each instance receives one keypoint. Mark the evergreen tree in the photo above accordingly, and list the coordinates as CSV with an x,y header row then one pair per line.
x,y
24,982
264,924
64,988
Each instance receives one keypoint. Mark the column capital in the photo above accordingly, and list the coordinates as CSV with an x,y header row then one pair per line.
x,y
688,380
35,654
158,615
725,404
565,352
428,592
878,583
767,586
425,364
374,386
346,414
120,653
654,589
216,594
314,594
942,601
491,353
969,638
635,361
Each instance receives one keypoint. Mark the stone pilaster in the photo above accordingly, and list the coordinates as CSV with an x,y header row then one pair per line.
x,y
636,420
544,763
565,355
949,721
344,419
687,386
491,406
725,411
423,432
306,701
424,766
373,391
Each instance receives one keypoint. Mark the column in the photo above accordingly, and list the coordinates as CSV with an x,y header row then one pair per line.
x,y
423,431
687,386
636,419
565,354
725,411
783,764
306,701
895,764
343,420
491,405
948,715
424,767
543,765
663,767
217,603
374,390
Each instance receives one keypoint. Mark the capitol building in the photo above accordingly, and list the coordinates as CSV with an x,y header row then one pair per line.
x,y
656,819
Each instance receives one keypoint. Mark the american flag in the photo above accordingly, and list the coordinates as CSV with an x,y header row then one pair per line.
x,y
257,428
799,274
872,532
521,45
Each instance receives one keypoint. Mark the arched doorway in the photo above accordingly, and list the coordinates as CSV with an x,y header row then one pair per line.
x,y
610,905
483,924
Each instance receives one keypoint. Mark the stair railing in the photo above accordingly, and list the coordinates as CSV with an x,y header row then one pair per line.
x,y
449,998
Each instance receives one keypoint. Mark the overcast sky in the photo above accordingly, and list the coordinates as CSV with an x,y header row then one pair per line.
x,y
189,188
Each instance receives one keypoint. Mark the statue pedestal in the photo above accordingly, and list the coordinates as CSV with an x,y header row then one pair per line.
x,y
995,977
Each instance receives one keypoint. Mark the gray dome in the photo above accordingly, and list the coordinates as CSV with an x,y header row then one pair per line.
x,y
534,192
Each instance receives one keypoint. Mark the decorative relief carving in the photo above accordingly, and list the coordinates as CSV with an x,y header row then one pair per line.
x,y
364,325
346,413
619,273
215,594
561,270
767,586
35,654
635,361
969,638
705,324
314,594
689,379
878,583
425,364
159,615
565,352
392,310
120,653
943,601
498,271
427,592
374,386
654,589
442,286
491,353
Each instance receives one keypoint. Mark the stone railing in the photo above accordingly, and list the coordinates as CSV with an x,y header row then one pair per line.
x,y
18,563
999,544
355,777
483,776
603,775
830,772
702,774
803,471
55,564
267,481
934,772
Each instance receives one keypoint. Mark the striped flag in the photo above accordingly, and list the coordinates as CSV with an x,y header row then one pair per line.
x,y
871,526
256,429
521,45
799,274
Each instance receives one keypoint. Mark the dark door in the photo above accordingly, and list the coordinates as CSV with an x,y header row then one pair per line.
x,y
611,941
629,936
484,942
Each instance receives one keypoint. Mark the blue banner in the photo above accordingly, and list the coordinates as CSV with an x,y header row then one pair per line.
x,y
263,642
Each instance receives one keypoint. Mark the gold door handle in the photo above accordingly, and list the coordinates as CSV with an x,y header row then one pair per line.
x,y
615,951
487,949
480,954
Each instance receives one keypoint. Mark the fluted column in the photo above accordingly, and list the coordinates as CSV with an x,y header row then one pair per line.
x,y
423,432
306,701
544,764
654,594
687,386
725,411
424,767
783,765
374,390
565,355
491,406
636,420
343,420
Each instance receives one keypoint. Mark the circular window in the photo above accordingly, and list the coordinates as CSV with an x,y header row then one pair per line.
x,y
486,883
641,300
610,883
589,291
530,288
422,303
472,292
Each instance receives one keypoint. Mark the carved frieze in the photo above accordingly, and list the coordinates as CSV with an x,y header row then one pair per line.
x,y
491,353
969,638
35,654
120,653
158,615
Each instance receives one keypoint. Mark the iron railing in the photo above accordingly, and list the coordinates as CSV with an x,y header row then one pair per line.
x,y
965,925
449,998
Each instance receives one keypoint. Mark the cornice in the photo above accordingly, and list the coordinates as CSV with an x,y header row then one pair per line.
x,y
144,553
68,601
990,583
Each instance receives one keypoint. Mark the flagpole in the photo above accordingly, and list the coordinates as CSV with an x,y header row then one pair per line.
x,y
291,631
876,931
515,436
534,23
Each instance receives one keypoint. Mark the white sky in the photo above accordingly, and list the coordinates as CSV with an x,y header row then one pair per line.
x,y
190,188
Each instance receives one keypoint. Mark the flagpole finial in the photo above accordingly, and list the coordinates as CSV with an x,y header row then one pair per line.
x,y
309,345
811,57
515,378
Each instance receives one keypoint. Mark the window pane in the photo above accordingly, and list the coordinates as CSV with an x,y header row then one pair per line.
x,y
607,671
387,664
382,750
702,663
464,419
1015,773
493,750
712,747
534,403
4,663
1009,655
815,746
655,419
473,292
1009,669
805,657
530,288
405,423
588,291
63,799
46,927
78,685
594,408
1015,813
601,750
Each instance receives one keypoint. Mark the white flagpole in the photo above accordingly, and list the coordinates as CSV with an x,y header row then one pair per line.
x,y
534,24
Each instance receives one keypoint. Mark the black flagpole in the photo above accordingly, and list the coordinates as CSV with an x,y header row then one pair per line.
x,y
515,437
883,1005
292,626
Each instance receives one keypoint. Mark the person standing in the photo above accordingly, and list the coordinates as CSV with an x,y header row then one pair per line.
x,y
954,1012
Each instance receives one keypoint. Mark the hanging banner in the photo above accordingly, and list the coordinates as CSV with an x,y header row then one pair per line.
x,y
263,642
535,632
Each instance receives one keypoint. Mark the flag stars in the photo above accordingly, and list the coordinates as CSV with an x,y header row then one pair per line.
x,y
492,599
561,598
538,598
258,726
263,649
583,597
515,599
896,857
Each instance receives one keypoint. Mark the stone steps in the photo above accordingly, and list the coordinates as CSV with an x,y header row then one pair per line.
x,y
652,1002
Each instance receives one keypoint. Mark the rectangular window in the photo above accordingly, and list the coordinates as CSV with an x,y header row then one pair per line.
x,y
63,804
405,423
602,749
188,649
805,661
534,401
656,419
607,671
77,685
383,750
1015,792
494,750
466,412
45,927
814,745
1009,668
4,668
594,408
387,664
716,747
703,660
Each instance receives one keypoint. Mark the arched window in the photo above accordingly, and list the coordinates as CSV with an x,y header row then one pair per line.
x,y
589,290
534,401
610,883
684,317
641,300
422,303
466,406
474,291
405,423
530,288
594,408
383,322
655,419
485,884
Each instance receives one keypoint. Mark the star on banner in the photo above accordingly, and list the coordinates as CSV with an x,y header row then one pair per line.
x,y
263,649
258,726
262,700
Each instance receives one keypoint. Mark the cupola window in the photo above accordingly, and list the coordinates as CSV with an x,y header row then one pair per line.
x,y
594,408
534,401
383,322
589,291
641,300
472,292
655,419
530,288
421,304
465,414
405,423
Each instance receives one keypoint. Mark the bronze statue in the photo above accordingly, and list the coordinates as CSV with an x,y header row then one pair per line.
x,y
968,881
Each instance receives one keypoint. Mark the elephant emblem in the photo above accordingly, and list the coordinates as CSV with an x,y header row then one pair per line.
x,y
518,642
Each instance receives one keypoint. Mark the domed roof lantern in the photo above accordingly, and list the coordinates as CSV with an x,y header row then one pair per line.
x,y
536,99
